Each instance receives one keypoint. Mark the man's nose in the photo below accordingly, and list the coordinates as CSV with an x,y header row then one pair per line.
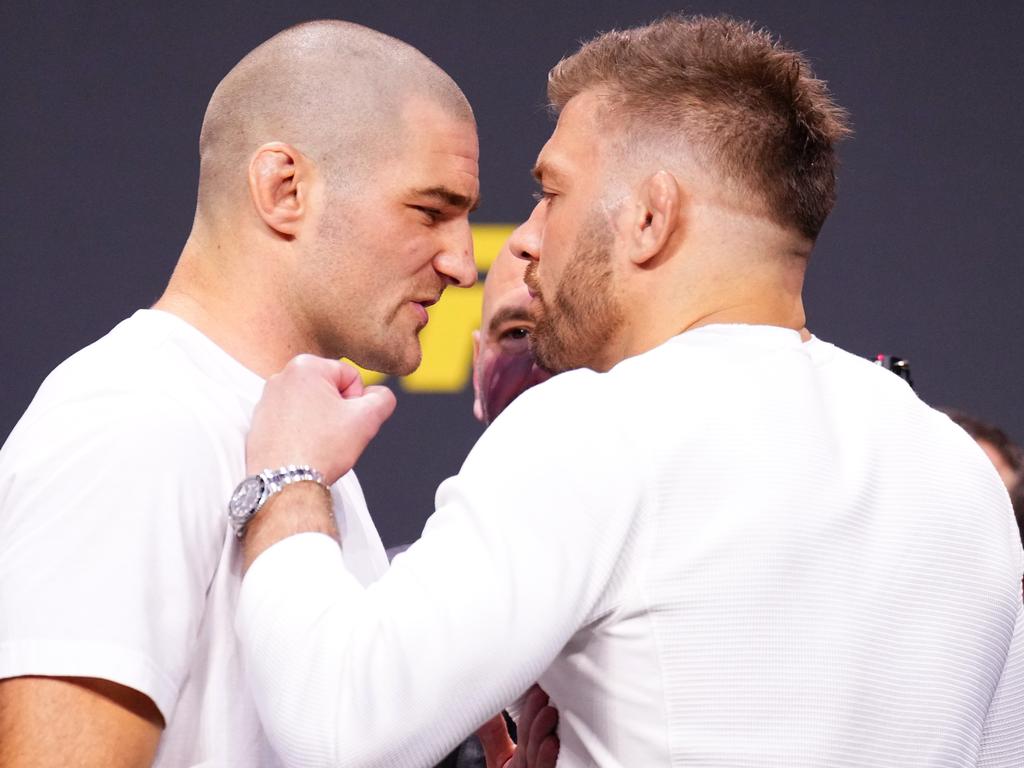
x,y
525,240
455,260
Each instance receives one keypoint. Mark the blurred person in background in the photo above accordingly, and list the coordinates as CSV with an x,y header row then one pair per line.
x,y
503,363
1006,456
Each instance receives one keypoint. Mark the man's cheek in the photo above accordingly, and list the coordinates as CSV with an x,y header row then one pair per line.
x,y
505,378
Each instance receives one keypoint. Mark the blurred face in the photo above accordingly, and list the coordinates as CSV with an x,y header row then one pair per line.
x,y
389,244
1003,467
569,240
503,363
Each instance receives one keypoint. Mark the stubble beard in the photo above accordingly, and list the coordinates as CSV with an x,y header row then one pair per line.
x,y
573,328
388,348
383,344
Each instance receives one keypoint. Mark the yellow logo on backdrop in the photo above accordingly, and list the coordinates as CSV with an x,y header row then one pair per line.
x,y
447,345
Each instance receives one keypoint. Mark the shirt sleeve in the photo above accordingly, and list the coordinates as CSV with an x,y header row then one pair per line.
x,y
522,551
111,526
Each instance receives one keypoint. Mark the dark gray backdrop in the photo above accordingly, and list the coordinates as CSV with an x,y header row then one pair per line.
x,y
101,111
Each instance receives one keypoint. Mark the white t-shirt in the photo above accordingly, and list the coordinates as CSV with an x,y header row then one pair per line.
x,y
116,561
735,550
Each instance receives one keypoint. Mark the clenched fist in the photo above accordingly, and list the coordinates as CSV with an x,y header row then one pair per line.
x,y
317,412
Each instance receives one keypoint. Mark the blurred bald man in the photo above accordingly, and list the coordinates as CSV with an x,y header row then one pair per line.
x,y
503,364
325,223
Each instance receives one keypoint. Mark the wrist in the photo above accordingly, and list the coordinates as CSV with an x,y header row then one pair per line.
x,y
303,507
257,489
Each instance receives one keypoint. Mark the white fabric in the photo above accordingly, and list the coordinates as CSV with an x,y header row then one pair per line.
x,y
735,550
115,557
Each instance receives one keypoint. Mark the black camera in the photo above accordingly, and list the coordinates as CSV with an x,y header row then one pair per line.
x,y
897,365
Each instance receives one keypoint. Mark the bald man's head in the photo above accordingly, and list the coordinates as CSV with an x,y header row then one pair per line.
x,y
333,90
338,169
503,363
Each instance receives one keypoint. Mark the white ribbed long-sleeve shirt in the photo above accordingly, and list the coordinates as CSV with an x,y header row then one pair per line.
x,y
734,550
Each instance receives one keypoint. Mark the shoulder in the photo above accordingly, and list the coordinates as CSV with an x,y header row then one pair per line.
x,y
139,382
121,428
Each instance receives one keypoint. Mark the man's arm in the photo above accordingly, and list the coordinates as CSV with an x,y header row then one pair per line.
x,y
334,392
86,722
518,557
111,537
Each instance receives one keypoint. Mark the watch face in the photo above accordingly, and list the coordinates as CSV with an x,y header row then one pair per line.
x,y
245,498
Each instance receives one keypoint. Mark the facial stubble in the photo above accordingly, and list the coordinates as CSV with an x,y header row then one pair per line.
x,y
573,328
376,340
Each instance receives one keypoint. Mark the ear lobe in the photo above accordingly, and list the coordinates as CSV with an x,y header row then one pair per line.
x,y
279,186
658,215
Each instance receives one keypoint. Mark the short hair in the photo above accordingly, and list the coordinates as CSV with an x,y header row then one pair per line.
x,y
750,110
332,88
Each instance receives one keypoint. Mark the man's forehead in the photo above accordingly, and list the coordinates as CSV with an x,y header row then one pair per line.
x,y
439,157
575,142
504,285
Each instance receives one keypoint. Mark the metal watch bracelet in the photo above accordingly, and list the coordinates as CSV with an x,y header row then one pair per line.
x,y
256,490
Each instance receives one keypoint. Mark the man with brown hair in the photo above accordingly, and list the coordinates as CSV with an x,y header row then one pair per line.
x,y
723,556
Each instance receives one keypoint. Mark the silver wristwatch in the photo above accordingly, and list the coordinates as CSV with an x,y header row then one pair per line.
x,y
253,492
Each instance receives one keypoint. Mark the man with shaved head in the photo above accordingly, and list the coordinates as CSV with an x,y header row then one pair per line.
x,y
711,539
338,167
503,364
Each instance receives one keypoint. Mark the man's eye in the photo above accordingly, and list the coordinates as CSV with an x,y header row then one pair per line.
x,y
432,214
515,334
543,195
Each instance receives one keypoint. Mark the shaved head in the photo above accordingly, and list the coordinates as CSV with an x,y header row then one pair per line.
x,y
503,364
331,89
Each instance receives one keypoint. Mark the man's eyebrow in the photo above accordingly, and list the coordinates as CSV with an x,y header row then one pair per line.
x,y
544,170
450,198
509,314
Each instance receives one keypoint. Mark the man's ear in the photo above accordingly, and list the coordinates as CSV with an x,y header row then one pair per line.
x,y
478,406
280,183
655,215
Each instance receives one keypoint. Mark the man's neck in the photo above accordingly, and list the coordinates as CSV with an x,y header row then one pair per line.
x,y
774,300
247,322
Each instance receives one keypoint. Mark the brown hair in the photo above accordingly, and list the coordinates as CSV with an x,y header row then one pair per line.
x,y
751,110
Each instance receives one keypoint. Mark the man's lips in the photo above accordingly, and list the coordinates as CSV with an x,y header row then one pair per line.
x,y
420,305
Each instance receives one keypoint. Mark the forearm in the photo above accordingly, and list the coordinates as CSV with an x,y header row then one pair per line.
x,y
398,674
298,508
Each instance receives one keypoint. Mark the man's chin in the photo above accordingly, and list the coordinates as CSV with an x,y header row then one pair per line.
x,y
549,357
391,362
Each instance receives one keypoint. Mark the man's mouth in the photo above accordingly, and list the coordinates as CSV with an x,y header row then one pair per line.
x,y
421,307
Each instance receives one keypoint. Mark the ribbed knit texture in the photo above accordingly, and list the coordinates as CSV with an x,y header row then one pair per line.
x,y
735,550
